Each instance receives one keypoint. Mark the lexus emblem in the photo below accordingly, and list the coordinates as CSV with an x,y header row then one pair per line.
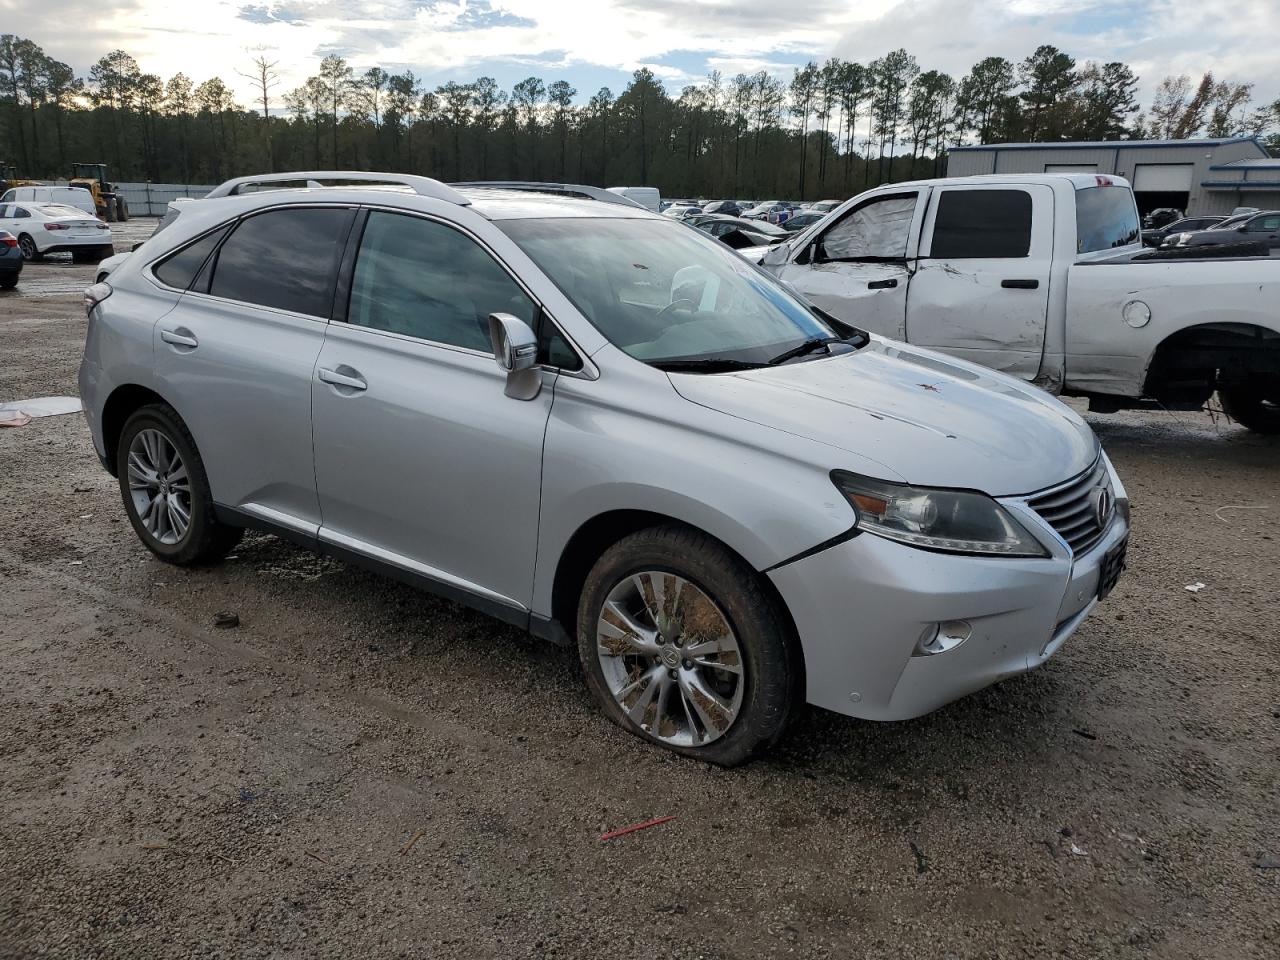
x,y
1103,503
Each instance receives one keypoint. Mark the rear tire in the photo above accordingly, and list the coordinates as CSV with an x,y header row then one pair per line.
x,y
122,209
30,252
8,283
753,676
1254,405
154,490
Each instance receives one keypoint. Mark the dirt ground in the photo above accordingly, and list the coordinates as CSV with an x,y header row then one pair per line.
x,y
361,770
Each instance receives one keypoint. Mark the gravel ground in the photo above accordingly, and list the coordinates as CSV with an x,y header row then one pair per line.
x,y
359,769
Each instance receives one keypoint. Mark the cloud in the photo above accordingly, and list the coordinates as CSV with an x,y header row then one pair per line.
x,y
599,42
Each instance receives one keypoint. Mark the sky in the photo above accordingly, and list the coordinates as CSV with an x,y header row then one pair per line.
x,y
599,43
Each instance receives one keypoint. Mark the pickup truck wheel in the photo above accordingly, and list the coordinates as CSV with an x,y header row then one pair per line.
x,y
682,646
1253,405
166,490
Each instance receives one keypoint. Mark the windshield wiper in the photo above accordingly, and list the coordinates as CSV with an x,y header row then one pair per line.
x,y
706,365
809,346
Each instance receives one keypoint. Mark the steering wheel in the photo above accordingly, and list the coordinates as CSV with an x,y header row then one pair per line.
x,y
682,304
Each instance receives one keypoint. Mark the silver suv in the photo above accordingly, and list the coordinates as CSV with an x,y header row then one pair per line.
x,y
589,421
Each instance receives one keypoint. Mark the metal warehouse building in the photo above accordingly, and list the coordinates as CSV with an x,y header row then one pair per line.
x,y
1198,176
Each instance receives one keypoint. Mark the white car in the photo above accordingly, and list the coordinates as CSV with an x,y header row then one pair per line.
x,y
44,228
110,264
77,197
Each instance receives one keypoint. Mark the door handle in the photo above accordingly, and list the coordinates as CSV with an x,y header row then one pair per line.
x,y
1020,284
882,284
352,380
181,337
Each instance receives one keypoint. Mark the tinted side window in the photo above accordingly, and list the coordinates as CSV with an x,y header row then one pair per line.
x,y
20,213
1105,218
424,279
1264,225
878,229
974,224
285,259
179,269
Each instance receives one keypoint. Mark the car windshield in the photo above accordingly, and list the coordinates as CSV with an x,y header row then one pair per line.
x,y
669,295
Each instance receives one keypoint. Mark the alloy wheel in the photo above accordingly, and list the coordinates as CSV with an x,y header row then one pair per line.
x,y
670,658
28,248
159,486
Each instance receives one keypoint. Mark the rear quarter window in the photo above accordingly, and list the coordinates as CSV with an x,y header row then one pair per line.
x,y
179,269
1106,217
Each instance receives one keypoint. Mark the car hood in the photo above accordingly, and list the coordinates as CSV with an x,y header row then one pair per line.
x,y
932,420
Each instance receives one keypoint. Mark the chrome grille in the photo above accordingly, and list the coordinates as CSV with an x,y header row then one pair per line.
x,y
1071,509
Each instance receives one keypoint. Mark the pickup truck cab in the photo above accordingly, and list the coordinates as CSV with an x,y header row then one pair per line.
x,y
1044,277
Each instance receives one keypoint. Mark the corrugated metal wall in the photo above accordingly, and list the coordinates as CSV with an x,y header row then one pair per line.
x,y
150,199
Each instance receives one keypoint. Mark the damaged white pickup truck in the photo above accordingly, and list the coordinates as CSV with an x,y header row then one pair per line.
x,y
1044,277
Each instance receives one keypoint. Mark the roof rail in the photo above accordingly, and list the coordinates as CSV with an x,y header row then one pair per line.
x,y
423,186
568,189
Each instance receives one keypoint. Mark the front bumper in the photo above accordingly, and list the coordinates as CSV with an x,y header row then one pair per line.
x,y
862,606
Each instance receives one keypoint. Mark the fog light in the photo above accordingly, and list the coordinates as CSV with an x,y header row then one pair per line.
x,y
941,637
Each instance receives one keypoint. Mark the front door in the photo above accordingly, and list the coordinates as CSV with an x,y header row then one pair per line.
x,y
981,286
421,460
858,268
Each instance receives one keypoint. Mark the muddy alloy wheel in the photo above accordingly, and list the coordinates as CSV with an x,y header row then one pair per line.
x,y
683,645
28,247
160,487
670,658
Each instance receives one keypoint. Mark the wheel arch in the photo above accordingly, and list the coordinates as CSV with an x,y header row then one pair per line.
x,y
597,534
120,405
1227,350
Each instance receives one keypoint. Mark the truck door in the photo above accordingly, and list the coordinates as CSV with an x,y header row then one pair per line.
x,y
980,290
857,268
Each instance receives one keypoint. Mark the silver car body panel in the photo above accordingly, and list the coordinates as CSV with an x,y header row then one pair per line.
x,y
432,471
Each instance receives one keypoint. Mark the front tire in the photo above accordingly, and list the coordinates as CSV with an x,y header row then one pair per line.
x,y
1253,405
166,490
682,646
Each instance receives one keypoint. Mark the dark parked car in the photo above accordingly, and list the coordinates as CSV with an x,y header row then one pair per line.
x,y
735,231
1154,236
806,218
1161,216
728,208
1261,227
10,260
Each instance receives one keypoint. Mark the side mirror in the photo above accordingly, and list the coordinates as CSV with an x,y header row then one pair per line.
x,y
515,351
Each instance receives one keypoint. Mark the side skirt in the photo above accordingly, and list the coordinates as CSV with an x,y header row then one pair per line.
x,y
539,626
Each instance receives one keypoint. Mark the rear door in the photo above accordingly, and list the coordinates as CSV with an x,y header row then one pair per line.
x,y
857,269
981,286
236,354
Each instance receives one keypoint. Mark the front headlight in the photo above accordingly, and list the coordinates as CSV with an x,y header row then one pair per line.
x,y
954,521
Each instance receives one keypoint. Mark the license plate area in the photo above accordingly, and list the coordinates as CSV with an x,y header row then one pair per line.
x,y
1113,565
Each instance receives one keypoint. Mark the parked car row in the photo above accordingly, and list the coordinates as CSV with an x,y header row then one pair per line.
x,y
723,478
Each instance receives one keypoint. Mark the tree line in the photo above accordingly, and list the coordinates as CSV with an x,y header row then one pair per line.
x,y
834,128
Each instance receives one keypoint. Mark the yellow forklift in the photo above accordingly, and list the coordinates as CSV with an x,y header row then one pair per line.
x,y
9,178
93,177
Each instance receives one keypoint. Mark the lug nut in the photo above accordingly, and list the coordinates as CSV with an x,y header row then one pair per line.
x,y
671,674
688,664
